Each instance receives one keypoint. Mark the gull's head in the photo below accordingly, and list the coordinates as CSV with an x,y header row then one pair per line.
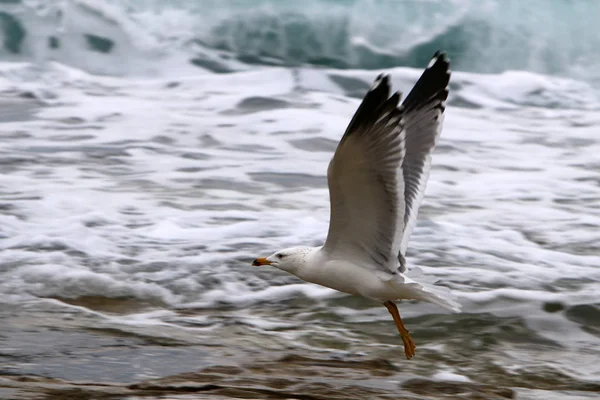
x,y
290,259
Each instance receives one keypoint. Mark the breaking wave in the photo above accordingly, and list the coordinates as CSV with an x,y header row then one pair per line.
x,y
147,37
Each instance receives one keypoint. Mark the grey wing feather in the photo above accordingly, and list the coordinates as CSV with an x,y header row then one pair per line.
x,y
366,185
423,117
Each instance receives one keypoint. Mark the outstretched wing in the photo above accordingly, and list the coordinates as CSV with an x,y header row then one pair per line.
x,y
368,189
423,117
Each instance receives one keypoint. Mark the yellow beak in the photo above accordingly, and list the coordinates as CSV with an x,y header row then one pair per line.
x,y
261,261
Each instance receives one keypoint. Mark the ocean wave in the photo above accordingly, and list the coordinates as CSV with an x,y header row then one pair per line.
x,y
505,91
152,37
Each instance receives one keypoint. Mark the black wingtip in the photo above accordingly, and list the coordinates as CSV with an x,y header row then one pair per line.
x,y
377,96
381,82
439,53
433,83
439,60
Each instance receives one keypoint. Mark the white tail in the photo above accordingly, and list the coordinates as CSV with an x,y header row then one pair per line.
x,y
425,289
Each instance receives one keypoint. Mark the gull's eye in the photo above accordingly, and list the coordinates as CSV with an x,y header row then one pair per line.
x,y
280,256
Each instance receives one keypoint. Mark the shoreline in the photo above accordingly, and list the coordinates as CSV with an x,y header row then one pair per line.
x,y
290,377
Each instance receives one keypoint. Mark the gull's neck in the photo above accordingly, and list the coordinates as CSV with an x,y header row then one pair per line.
x,y
309,258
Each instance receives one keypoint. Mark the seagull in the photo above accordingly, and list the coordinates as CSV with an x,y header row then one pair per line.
x,y
376,180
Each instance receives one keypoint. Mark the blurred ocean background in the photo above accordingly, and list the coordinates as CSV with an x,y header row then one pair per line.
x,y
151,149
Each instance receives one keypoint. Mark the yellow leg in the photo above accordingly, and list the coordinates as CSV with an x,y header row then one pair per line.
x,y
409,344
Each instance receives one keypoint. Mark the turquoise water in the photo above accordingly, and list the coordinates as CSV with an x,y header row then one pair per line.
x,y
112,37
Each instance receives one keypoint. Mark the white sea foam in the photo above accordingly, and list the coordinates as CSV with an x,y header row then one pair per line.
x,y
450,376
166,190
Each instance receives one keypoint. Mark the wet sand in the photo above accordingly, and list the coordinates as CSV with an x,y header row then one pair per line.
x,y
292,377
50,354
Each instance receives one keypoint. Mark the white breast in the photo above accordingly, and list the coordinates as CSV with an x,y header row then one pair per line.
x,y
347,277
